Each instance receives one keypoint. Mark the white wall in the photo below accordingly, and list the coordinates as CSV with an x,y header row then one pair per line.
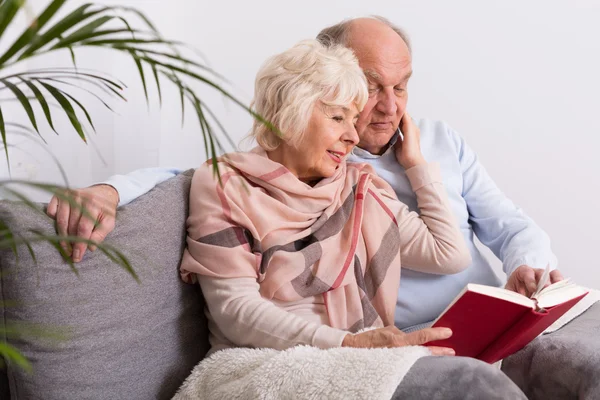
x,y
518,79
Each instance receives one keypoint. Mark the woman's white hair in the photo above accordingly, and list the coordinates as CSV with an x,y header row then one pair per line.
x,y
288,86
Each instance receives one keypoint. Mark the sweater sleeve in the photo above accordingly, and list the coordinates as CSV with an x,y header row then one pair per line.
x,y
430,242
247,319
500,225
139,182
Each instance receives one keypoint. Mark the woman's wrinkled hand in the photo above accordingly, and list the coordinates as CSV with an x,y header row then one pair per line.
x,y
390,336
408,151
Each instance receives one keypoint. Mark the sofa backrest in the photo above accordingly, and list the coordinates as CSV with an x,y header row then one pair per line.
x,y
117,339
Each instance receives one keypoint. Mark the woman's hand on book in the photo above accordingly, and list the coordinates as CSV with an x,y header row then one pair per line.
x,y
524,279
390,336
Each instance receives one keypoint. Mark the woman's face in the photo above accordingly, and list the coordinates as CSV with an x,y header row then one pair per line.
x,y
329,138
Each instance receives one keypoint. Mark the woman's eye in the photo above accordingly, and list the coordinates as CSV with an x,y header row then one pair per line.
x,y
338,118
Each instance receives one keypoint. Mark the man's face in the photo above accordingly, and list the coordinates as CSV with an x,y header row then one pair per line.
x,y
386,60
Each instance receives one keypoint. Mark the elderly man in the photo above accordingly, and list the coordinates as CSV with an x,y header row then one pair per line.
x,y
384,53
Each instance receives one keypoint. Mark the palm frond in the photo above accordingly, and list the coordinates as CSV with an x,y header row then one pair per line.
x,y
11,353
123,30
3,134
157,80
20,329
5,232
32,30
67,107
23,100
96,26
65,80
42,100
57,30
140,68
8,10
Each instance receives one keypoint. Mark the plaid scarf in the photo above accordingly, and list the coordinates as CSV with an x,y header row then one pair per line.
x,y
337,239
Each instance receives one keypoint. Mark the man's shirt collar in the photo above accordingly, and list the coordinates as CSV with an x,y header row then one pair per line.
x,y
362,153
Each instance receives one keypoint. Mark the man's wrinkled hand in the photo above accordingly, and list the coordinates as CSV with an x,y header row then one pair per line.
x,y
524,279
87,213
390,336
408,151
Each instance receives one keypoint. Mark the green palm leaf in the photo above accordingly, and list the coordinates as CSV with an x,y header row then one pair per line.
x,y
12,354
85,112
86,29
8,10
75,39
6,233
67,107
140,68
186,61
157,80
63,81
58,29
93,26
23,100
3,134
33,29
109,82
43,103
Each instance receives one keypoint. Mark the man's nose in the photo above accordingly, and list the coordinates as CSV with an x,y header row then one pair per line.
x,y
386,103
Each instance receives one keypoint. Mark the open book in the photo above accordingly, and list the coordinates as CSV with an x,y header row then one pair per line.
x,y
491,323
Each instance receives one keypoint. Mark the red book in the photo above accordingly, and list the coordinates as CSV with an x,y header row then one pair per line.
x,y
490,323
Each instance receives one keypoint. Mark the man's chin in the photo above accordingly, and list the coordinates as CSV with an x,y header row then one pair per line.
x,y
374,140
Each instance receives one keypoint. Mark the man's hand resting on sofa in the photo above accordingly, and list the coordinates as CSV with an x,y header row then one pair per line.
x,y
100,203
524,279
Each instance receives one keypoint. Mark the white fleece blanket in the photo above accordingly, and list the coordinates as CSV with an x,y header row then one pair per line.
x,y
305,372
300,373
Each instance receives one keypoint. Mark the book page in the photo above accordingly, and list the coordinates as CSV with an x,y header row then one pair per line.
x,y
559,293
501,293
545,279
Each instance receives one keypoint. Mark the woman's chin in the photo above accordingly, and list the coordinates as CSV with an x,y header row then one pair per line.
x,y
329,172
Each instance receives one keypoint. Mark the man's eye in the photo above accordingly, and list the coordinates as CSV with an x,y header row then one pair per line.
x,y
338,118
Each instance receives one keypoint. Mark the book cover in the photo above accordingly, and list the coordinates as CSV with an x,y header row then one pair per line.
x,y
490,323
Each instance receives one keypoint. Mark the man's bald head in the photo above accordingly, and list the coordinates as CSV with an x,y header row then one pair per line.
x,y
368,36
341,32
383,52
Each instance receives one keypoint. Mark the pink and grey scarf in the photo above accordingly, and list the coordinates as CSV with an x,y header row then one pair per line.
x,y
337,239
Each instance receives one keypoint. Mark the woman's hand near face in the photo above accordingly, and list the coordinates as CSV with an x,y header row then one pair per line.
x,y
390,336
408,151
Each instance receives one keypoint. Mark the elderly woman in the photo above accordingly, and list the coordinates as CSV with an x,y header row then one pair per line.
x,y
295,247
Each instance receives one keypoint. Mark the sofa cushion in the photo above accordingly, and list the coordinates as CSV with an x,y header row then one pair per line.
x,y
564,364
121,339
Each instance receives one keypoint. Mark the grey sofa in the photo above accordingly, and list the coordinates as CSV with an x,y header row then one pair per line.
x,y
100,334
